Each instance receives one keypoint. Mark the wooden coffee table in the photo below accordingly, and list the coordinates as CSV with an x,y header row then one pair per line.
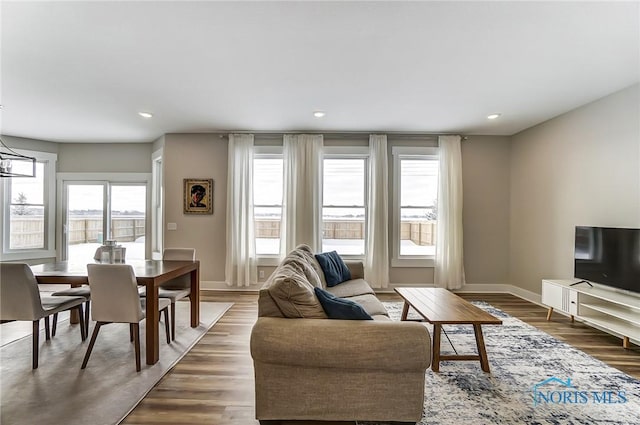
x,y
439,307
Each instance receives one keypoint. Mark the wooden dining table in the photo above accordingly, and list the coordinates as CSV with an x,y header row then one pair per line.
x,y
150,273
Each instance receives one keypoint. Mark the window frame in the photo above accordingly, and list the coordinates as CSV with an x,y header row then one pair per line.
x,y
399,153
268,152
49,200
348,152
157,201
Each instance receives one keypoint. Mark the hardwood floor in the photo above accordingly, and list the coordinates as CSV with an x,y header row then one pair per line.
x,y
213,383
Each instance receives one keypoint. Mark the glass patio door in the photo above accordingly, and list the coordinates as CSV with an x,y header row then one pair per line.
x,y
97,211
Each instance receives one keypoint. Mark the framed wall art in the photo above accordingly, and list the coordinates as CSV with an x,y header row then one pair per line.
x,y
198,196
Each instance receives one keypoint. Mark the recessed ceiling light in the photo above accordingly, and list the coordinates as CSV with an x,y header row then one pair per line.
x,y
145,114
493,116
319,114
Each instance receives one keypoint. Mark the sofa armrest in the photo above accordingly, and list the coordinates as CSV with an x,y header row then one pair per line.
x,y
356,268
346,344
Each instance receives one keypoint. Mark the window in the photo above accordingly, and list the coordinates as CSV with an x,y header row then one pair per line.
x,y
415,205
100,206
28,212
267,201
344,211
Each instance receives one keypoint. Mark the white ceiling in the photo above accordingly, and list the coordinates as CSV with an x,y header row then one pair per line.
x,y
80,71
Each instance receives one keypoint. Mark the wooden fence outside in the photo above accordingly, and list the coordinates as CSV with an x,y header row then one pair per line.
x,y
419,232
27,232
123,229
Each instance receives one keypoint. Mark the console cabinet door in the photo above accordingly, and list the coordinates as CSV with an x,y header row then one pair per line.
x,y
560,298
573,301
552,295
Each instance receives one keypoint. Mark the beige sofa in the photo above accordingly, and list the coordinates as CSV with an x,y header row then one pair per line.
x,y
309,367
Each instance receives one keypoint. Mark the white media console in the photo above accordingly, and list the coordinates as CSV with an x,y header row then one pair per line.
x,y
615,312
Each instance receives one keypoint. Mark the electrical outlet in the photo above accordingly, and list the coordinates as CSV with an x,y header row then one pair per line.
x,y
261,274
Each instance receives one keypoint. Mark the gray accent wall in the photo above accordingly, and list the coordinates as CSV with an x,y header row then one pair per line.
x,y
189,156
485,179
486,199
104,157
30,144
580,168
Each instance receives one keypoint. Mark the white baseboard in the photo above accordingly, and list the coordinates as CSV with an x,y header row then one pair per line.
x,y
502,288
527,295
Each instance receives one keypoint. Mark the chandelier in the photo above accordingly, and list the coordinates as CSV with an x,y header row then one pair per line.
x,y
13,164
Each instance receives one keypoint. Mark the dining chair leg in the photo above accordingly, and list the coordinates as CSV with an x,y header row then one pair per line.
x,y
96,329
83,329
130,332
36,342
166,324
54,326
173,321
47,332
86,318
136,339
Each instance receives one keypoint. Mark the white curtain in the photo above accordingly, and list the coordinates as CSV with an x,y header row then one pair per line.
x,y
449,270
240,267
376,263
302,192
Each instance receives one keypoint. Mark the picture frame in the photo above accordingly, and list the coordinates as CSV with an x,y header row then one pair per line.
x,y
198,196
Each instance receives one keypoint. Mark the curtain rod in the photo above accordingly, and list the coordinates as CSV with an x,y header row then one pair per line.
x,y
348,134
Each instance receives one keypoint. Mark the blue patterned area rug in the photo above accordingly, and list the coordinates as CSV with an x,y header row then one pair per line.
x,y
534,379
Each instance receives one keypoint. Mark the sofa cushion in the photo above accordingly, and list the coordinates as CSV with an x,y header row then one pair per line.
x,y
370,303
340,308
293,293
356,267
335,270
351,288
303,251
303,267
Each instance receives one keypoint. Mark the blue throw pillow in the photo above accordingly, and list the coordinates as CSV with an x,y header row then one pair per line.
x,y
340,308
334,269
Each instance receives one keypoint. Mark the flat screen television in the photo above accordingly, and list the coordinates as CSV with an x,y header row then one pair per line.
x,y
609,256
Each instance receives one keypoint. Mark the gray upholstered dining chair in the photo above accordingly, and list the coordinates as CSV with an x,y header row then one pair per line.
x,y
21,300
178,288
115,300
82,291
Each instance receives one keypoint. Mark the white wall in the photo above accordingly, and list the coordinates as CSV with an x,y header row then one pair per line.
x,y
581,168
